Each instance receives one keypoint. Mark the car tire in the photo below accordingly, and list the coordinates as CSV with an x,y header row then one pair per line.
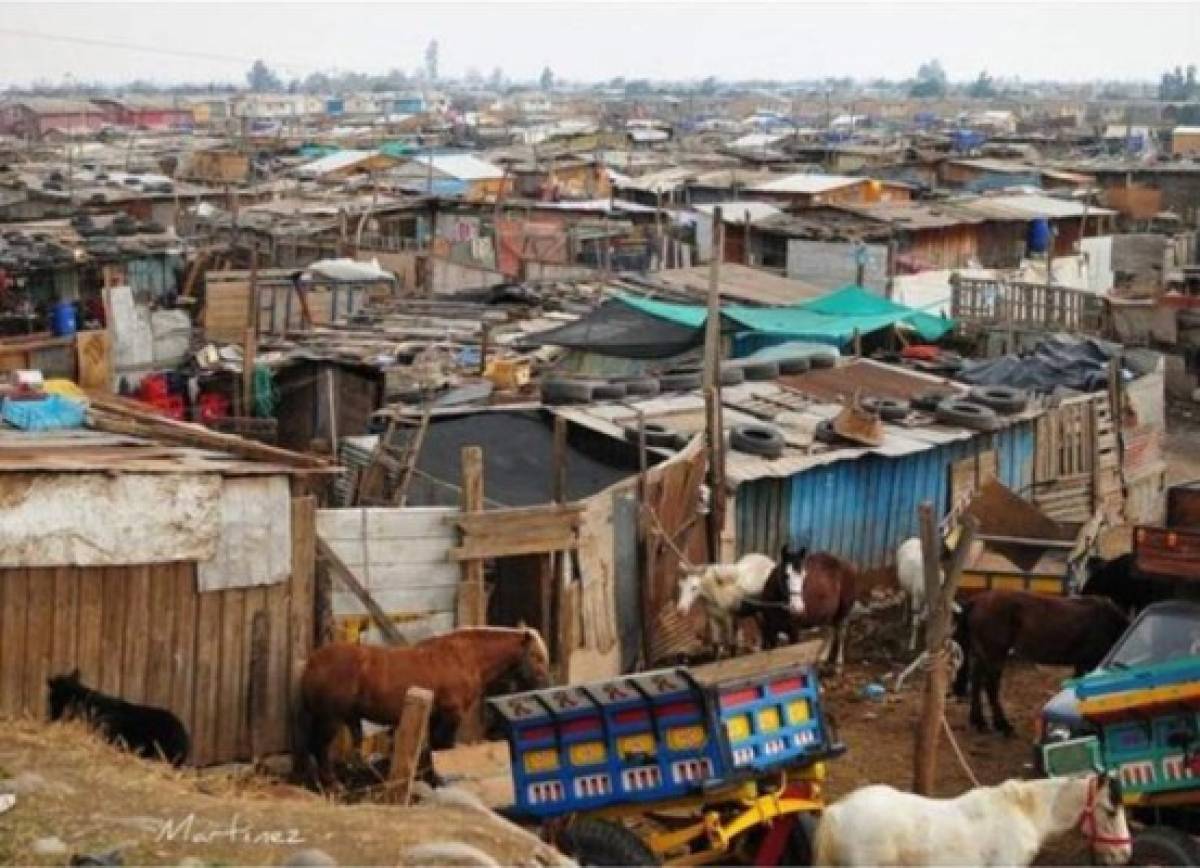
x,y
609,392
604,843
732,375
794,364
761,440
1162,845
563,391
1002,399
760,371
824,433
928,402
641,387
968,414
657,434
888,409
680,382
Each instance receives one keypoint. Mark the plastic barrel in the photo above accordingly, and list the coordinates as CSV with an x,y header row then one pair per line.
x,y
62,319
1039,235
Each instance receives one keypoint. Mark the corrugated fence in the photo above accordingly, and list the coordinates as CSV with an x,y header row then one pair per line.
x,y
862,509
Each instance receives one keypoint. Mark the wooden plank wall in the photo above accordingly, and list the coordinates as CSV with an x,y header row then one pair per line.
x,y
227,663
1077,463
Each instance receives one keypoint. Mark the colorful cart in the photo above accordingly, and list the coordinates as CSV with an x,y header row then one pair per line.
x,y
665,766
1148,724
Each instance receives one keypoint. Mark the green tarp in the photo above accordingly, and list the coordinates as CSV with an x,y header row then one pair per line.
x,y
831,319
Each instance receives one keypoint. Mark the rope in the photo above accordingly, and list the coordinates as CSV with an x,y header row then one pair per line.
x,y
962,760
683,559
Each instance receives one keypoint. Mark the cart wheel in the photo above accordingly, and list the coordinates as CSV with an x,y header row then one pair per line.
x,y
1162,845
802,841
601,843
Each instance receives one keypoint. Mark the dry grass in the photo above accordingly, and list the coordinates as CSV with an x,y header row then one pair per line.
x,y
97,798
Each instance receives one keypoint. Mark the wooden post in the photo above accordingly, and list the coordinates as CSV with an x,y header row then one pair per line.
x,y
484,334
712,389
338,567
746,238
472,606
248,356
940,599
409,743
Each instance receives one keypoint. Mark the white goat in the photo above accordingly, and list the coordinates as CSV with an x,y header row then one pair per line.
x,y
723,588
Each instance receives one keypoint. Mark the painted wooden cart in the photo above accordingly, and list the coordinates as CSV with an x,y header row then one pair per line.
x,y
671,767
1147,720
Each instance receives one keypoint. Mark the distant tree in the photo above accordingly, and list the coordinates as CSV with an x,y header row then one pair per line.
x,y
931,80
496,79
262,78
474,77
318,82
1179,85
708,87
637,86
294,86
982,87
547,79
431,60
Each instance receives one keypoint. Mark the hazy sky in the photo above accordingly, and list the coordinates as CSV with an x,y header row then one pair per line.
x,y
589,41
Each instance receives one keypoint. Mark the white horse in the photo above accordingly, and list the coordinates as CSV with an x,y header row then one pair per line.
x,y
910,573
1002,825
723,589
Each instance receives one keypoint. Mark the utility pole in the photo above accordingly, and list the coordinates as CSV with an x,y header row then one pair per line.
x,y
712,391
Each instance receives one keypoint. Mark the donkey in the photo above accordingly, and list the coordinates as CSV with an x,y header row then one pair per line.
x,y
725,590
154,733
1002,825
1073,631
808,590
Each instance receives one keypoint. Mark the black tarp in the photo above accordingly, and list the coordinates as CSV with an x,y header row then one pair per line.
x,y
618,329
517,449
1059,362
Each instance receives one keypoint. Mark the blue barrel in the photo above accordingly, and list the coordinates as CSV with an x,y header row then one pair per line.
x,y
62,319
1039,235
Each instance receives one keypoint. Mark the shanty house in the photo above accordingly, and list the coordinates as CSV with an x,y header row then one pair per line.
x,y
36,117
181,576
341,165
147,113
1185,141
810,190
462,175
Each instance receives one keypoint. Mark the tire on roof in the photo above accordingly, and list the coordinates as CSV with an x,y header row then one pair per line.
x,y
762,440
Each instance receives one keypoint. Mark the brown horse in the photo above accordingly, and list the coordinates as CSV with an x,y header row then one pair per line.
x,y
1057,631
808,590
345,682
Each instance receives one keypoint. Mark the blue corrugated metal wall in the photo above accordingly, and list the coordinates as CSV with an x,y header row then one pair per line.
x,y
862,509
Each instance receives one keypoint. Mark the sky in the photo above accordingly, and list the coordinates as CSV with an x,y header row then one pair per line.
x,y
217,41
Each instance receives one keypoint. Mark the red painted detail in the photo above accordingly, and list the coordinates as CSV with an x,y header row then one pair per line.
x,y
771,850
536,733
632,715
739,697
581,726
787,685
674,709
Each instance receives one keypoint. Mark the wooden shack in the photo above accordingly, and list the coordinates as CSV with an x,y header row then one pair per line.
x,y
168,574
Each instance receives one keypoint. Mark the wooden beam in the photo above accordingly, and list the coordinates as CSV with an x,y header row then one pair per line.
x,y
938,629
409,743
344,574
472,604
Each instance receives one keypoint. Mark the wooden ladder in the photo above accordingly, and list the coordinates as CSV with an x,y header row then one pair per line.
x,y
391,460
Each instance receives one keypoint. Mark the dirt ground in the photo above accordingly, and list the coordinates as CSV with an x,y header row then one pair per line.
x,y
94,799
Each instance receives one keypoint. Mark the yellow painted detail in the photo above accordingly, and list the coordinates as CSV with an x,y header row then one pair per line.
x,y
642,743
1129,700
541,760
588,753
1046,585
972,581
686,737
768,719
1008,583
738,727
798,710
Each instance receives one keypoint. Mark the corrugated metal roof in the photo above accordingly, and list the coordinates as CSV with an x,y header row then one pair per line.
x,y
461,167
1029,206
735,212
807,183
334,162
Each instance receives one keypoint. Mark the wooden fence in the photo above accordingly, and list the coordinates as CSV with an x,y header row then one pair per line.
x,y
226,662
998,303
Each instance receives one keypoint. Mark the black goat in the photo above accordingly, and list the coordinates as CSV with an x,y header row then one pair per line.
x,y
151,732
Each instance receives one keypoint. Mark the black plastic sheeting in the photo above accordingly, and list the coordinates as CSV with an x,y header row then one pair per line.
x,y
517,458
618,329
1060,362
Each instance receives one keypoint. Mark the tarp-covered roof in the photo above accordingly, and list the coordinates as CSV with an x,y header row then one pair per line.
x,y
618,328
831,319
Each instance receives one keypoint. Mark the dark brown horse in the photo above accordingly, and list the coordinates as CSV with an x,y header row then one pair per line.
x,y
344,683
1057,631
807,590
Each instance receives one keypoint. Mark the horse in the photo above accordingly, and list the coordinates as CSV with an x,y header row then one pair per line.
x,y
910,575
150,732
1058,631
1001,825
725,591
344,683
808,590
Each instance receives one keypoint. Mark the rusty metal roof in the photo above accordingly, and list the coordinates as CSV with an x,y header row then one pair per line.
x,y
869,378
